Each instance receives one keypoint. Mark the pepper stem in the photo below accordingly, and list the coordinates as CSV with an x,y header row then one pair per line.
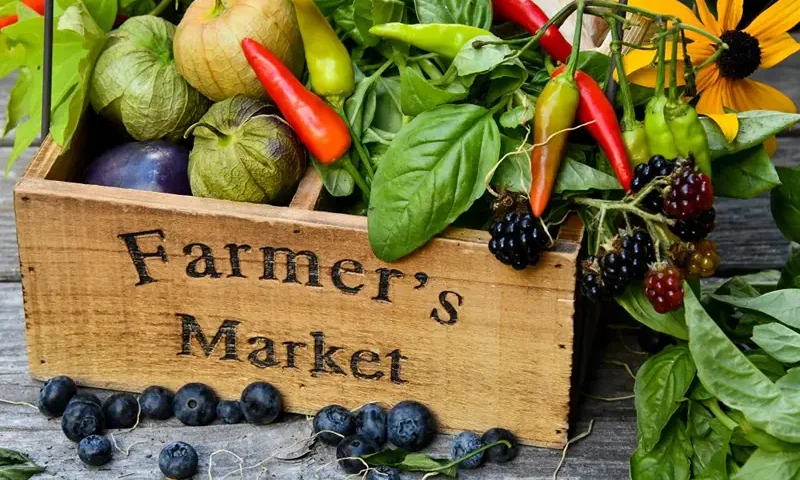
x,y
661,69
160,8
673,83
555,20
629,114
572,67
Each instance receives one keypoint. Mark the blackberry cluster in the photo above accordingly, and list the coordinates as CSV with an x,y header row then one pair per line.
x,y
658,166
696,229
689,195
613,272
518,240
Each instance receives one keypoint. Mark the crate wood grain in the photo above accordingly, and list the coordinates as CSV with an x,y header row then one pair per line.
x,y
124,289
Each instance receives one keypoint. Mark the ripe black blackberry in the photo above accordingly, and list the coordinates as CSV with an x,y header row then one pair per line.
x,y
518,240
591,286
696,229
658,166
617,273
638,251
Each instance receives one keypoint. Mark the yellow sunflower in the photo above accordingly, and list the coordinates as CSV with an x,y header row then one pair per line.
x,y
724,85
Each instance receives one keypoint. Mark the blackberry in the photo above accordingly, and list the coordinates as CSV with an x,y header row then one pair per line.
x,y
591,286
658,166
696,229
664,289
616,273
518,240
638,251
689,195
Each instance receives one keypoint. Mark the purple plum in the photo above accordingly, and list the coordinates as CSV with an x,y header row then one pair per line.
x,y
156,166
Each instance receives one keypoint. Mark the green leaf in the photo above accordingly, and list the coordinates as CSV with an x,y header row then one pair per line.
x,y
17,466
595,64
505,79
764,464
388,113
433,172
360,107
790,383
746,174
782,305
669,460
785,203
733,379
770,367
519,115
639,307
419,95
368,13
328,7
790,276
661,384
338,181
578,177
780,342
477,13
471,60
698,391
104,12
755,126
710,439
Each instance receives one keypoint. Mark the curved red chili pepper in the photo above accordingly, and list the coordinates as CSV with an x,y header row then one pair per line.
x,y
594,105
35,5
319,127
529,16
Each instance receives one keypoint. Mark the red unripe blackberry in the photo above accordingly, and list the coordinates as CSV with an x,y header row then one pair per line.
x,y
690,195
664,289
704,260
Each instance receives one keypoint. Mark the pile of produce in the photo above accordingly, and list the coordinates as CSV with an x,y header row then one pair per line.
x,y
432,113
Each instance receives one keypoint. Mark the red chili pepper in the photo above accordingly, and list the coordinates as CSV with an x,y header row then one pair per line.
x,y
9,20
529,16
36,5
594,105
318,126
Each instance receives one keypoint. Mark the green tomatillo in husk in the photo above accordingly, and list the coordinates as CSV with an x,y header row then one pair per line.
x,y
244,153
135,82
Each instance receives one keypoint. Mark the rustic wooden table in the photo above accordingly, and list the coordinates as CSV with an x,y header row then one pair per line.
x,y
748,241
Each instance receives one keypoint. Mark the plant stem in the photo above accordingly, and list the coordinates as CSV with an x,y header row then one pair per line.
x,y
611,205
359,179
555,20
673,82
661,67
430,69
572,66
478,44
629,113
713,58
363,156
162,6
713,405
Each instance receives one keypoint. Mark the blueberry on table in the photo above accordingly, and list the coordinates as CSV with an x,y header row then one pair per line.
x,y
383,473
178,460
411,426
87,398
352,447
371,423
230,412
82,419
156,403
261,403
121,410
463,444
334,418
195,404
55,395
95,450
500,453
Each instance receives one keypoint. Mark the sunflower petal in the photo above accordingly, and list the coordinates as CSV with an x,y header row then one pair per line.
x,y
778,49
771,145
707,78
711,103
729,13
775,20
751,95
674,8
639,69
708,20
728,123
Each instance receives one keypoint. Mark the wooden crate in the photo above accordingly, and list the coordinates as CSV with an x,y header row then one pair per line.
x,y
124,289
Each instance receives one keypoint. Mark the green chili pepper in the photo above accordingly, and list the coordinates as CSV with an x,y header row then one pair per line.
x,y
690,136
329,65
659,136
441,38
633,133
635,138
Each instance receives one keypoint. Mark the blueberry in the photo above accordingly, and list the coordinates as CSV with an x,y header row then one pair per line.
x,y
55,395
120,410
95,450
230,412
156,403
500,453
334,418
411,426
383,473
82,419
178,460
261,403
86,398
195,404
351,447
371,423
463,444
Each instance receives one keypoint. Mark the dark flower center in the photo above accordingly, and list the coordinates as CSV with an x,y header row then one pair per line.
x,y
743,56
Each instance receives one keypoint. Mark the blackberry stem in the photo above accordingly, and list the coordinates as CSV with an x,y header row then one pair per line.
x,y
610,205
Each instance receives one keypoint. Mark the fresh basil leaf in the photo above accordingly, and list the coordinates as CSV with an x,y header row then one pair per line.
x,y
782,305
104,12
578,177
11,457
737,286
770,465
505,79
433,172
368,13
790,383
785,203
595,64
755,126
669,460
338,181
710,443
770,367
360,107
17,466
730,376
419,95
698,392
790,276
780,342
388,112
746,174
344,19
639,307
519,115
477,13
471,60
762,282
661,384
329,7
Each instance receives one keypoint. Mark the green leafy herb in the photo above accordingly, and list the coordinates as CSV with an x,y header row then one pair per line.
x,y
338,181
477,13
770,367
782,343
419,94
639,307
471,61
710,443
433,172
785,202
745,174
505,79
17,466
782,305
790,276
770,465
668,460
755,126
790,383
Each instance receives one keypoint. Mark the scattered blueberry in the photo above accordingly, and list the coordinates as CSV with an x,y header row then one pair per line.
x,y
351,447
195,404
55,395
230,412
120,410
411,426
500,453
82,419
178,460
261,403
383,473
463,444
337,419
95,450
156,403
371,423
87,398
